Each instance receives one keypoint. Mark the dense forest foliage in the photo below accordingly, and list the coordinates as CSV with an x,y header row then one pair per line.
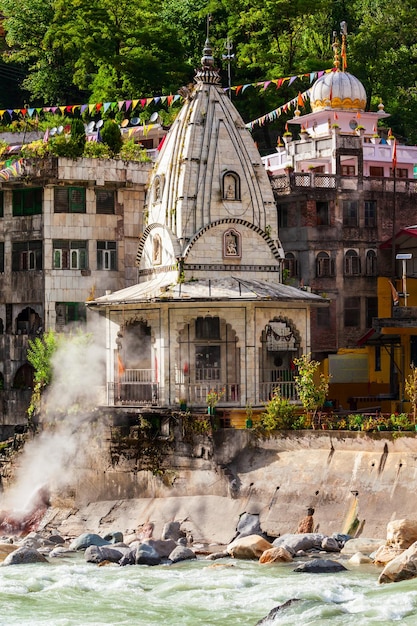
x,y
60,52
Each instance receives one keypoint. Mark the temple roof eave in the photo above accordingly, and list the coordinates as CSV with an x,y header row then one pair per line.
x,y
208,290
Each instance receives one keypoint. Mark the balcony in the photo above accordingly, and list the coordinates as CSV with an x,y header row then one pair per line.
x,y
301,180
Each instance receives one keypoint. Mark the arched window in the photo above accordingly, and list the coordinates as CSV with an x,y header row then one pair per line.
x,y
324,265
352,263
371,263
28,322
231,186
290,264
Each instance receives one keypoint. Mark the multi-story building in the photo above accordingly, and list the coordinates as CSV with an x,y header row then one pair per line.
x,y
342,189
68,232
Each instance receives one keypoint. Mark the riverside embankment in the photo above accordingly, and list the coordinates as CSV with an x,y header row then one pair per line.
x,y
349,478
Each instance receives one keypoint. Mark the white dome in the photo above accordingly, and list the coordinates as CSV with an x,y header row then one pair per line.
x,y
338,90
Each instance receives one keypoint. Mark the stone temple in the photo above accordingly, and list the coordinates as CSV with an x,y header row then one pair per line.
x,y
210,312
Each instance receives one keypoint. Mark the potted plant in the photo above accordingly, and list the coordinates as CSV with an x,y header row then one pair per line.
x,y
335,127
376,139
183,404
359,130
213,398
287,137
390,137
304,134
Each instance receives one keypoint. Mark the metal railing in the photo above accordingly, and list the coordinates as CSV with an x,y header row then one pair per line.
x,y
195,394
286,389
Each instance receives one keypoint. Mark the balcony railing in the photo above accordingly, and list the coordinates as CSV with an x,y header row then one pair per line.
x,y
195,394
134,387
286,389
283,183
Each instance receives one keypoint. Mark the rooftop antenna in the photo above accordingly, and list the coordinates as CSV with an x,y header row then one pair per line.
x,y
229,57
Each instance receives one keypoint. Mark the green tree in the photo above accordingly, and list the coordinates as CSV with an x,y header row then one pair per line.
x,y
111,136
48,70
312,386
39,355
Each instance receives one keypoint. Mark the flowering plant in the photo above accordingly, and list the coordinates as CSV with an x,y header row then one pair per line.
x,y
214,396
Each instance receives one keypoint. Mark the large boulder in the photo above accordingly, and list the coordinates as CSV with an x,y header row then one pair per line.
x,y
172,530
320,566
6,549
24,556
163,547
251,547
359,559
87,539
275,555
385,554
403,567
98,554
147,555
401,533
295,542
361,544
330,544
114,537
181,553
249,525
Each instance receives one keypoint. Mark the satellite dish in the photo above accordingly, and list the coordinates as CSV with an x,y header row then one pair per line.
x,y
135,121
53,131
154,117
59,129
99,124
124,123
90,127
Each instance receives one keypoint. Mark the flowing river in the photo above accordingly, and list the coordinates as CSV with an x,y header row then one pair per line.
x,y
69,592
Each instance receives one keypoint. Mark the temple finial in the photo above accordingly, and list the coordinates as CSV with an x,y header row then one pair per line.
x,y
335,46
343,32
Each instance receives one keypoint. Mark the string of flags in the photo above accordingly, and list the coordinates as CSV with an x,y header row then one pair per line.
x,y
130,105
296,102
12,169
273,115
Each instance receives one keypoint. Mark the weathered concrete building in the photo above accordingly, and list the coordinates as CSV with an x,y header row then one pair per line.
x,y
68,232
210,313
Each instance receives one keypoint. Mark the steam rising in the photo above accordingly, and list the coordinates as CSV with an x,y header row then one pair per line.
x,y
51,459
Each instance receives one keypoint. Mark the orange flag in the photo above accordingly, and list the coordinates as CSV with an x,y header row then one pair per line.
x,y
300,101
120,367
394,155
394,293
